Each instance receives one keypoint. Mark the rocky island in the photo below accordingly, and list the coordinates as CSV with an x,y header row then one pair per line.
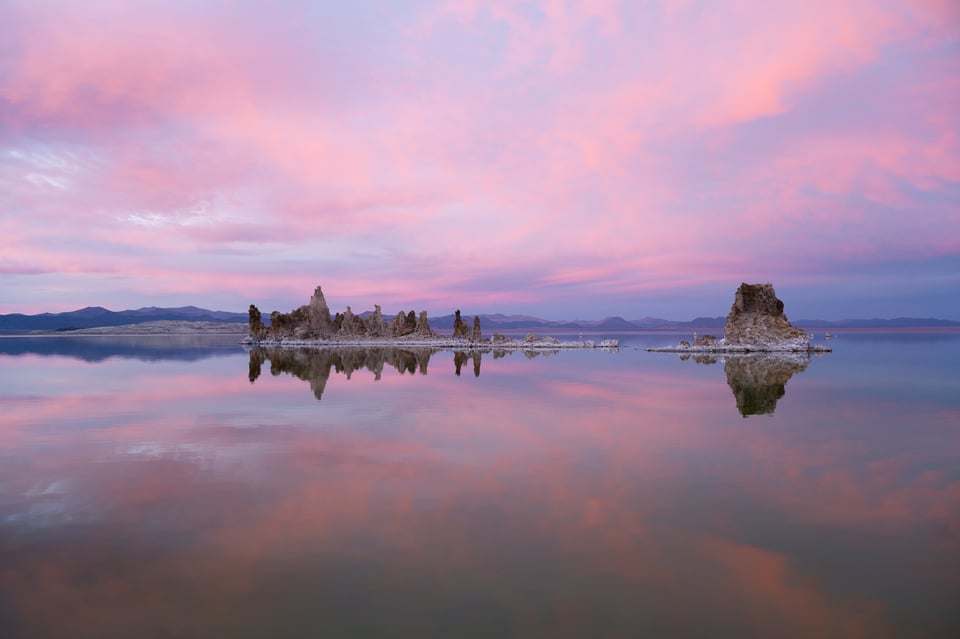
x,y
313,325
756,323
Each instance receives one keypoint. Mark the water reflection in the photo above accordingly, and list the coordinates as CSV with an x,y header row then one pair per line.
x,y
314,365
460,358
99,348
575,496
758,380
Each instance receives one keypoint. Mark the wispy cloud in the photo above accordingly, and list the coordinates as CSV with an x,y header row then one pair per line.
x,y
531,155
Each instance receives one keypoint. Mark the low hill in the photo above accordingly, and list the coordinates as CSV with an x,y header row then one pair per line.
x,y
97,316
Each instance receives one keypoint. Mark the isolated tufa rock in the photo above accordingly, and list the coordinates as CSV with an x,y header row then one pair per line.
x,y
460,328
476,329
757,319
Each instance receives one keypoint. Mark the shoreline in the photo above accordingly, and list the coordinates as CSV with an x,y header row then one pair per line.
x,y
525,344
740,349
158,328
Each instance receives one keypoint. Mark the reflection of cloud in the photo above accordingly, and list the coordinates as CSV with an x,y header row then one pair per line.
x,y
562,500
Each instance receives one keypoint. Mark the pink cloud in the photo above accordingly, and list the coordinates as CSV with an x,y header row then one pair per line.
x,y
575,144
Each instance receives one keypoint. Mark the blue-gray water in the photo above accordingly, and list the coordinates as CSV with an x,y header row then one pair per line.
x,y
148,488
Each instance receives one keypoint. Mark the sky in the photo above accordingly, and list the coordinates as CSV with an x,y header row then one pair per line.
x,y
564,159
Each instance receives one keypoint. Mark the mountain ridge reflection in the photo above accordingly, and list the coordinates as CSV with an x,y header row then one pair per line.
x,y
757,380
314,365
99,348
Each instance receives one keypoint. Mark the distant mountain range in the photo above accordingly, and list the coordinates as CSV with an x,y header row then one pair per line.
x,y
613,324
608,324
94,316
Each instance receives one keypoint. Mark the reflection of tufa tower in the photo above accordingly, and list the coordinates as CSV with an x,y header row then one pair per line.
x,y
316,365
758,381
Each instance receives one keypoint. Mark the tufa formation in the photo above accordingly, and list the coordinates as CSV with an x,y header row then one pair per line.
x,y
313,322
756,322
756,319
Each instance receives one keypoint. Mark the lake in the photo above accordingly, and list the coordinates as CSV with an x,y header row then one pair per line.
x,y
161,487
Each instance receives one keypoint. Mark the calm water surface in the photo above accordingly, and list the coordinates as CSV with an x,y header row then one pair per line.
x,y
149,488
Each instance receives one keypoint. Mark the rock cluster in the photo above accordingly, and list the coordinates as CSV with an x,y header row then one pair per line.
x,y
312,325
313,322
460,328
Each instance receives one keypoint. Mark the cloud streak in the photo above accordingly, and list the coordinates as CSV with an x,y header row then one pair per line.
x,y
529,156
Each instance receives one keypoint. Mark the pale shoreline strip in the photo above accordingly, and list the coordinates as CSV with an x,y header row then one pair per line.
x,y
439,342
744,348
